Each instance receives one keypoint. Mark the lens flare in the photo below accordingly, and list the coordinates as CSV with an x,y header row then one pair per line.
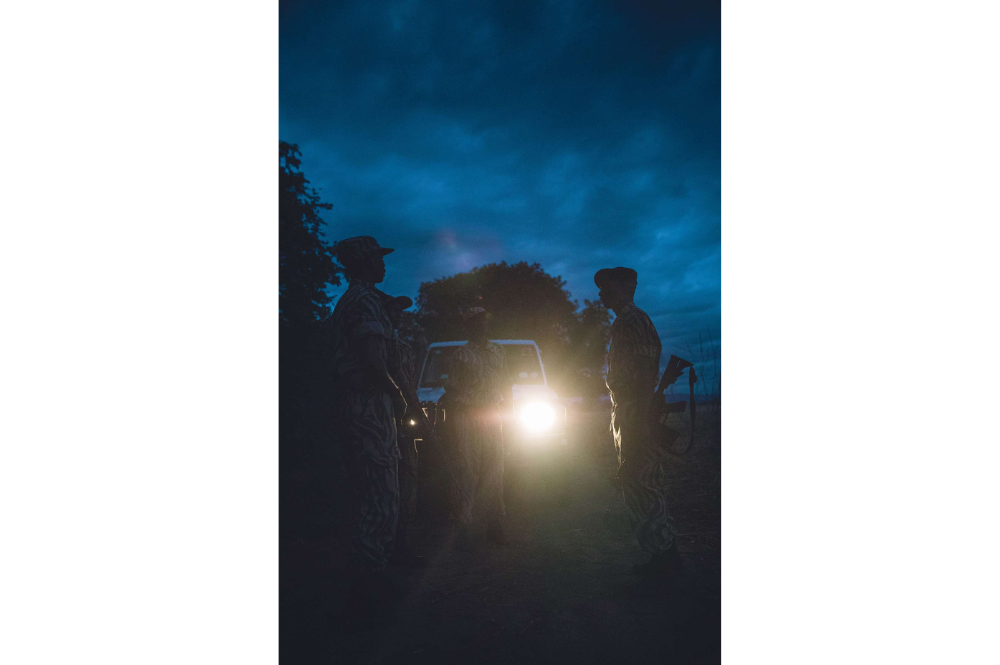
x,y
538,416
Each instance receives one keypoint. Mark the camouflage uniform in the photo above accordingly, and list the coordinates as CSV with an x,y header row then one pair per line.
x,y
476,379
368,427
404,369
642,470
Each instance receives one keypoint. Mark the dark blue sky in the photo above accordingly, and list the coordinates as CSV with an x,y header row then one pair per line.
x,y
577,134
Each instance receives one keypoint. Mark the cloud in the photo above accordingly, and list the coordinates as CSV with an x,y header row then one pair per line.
x,y
576,134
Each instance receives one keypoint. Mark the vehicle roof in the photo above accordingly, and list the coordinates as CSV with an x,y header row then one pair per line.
x,y
495,341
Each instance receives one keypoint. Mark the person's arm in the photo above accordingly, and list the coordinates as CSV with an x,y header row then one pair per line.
x,y
368,328
637,351
631,375
508,386
646,371
637,356
414,409
375,368
455,384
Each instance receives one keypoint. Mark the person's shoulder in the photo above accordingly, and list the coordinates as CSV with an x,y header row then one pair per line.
x,y
363,300
349,297
643,322
636,322
343,305
630,318
633,316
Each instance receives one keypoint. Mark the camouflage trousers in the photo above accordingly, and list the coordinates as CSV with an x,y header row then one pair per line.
x,y
368,430
407,481
477,438
643,476
375,494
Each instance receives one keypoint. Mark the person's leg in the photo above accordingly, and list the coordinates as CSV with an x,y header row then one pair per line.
x,y
407,495
408,481
643,484
646,502
466,470
376,498
371,454
491,474
376,506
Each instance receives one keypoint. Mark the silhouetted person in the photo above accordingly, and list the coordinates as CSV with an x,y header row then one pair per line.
x,y
478,381
403,367
366,398
633,368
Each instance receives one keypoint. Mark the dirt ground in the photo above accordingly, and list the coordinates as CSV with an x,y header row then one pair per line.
x,y
561,589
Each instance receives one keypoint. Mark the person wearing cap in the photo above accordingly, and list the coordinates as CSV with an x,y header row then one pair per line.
x,y
633,365
478,382
403,367
367,398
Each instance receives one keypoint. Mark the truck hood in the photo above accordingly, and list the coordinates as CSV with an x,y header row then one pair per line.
x,y
522,393
534,393
429,394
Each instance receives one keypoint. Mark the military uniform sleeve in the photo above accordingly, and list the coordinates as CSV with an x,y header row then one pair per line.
x,y
635,352
456,370
507,379
395,360
366,317
622,361
408,360
404,363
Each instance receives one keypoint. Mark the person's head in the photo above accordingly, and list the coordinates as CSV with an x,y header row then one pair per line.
x,y
617,286
363,258
476,323
394,308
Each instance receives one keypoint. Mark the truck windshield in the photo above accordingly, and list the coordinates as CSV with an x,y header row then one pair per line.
x,y
522,359
435,369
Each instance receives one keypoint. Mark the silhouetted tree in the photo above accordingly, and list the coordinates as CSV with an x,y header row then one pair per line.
x,y
525,302
306,270
306,264
590,346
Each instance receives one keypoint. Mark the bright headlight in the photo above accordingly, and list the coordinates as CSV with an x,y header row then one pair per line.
x,y
538,416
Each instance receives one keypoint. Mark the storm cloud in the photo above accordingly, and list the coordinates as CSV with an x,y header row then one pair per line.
x,y
580,135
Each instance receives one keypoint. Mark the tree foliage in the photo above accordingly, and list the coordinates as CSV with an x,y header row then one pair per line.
x,y
306,263
306,269
590,347
524,302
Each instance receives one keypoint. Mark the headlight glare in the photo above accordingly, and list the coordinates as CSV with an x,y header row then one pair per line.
x,y
538,416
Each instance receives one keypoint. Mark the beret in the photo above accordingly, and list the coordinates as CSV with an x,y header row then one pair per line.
x,y
352,251
471,312
606,276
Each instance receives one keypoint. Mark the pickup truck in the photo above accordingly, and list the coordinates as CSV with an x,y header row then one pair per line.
x,y
540,416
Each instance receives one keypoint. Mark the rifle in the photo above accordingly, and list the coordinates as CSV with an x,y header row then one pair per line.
x,y
665,436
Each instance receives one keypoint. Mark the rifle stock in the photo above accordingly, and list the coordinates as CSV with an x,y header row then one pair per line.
x,y
675,366
666,436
